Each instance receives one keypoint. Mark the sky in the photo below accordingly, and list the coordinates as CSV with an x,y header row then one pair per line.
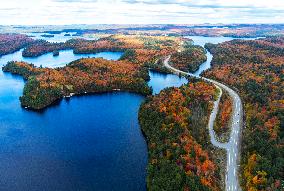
x,y
64,12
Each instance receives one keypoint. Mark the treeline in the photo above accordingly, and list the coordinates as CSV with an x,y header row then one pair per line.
x,y
92,75
21,68
235,30
10,43
139,49
223,118
158,65
40,47
189,58
130,73
255,68
175,125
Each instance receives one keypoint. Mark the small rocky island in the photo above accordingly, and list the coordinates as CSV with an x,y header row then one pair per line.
x,y
55,53
47,35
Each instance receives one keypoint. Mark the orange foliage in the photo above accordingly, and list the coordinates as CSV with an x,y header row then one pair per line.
x,y
224,115
85,75
255,68
10,43
178,132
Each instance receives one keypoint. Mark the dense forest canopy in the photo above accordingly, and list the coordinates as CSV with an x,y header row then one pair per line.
x,y
10,43
222,124
45,85
256,69
189,58
175,125
137,48
175,120
95,75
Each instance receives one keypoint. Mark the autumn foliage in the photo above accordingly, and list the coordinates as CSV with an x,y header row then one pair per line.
x,y
222,122
92,75
189,57
255,68
146,48
175,125
40,47
10,43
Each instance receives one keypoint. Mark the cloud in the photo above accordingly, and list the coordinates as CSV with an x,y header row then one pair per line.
x,y
212,3
140,11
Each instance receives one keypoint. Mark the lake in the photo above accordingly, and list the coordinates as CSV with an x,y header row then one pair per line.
x,y
90,142
65,57
57,37
202,40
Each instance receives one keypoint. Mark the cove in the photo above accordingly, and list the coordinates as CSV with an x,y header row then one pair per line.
x,y
90,142
61,37
65,57
202,40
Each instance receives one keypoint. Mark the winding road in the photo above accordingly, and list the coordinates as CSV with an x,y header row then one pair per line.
x,y
232,147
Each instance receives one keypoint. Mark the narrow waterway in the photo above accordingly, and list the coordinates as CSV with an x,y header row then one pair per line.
x,y
232,147
65,57
201,41
62,37
90,142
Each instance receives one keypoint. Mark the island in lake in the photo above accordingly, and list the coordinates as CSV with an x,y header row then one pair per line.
x,y
142,107
45,86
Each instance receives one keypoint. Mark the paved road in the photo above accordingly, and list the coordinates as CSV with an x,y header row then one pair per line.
x,y
232,147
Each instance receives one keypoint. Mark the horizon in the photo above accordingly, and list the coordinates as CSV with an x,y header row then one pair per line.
x,y
122,95
127,12
147,24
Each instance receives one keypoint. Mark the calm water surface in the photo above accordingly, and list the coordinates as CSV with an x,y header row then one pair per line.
x,y
201,40
87,143
91,142
57,37
65,57
161,81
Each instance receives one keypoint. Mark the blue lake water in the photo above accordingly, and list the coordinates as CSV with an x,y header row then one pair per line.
x,y
90,142
65,57
160,81
57,37
201,41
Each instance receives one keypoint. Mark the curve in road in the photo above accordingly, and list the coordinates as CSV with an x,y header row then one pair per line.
x,y
232,147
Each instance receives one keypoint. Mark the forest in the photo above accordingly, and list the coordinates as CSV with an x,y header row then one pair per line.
x,y
91,75
230,30
189,58
139,49
10,43
95,75
256,70
223,118
40,47
139,43
175,125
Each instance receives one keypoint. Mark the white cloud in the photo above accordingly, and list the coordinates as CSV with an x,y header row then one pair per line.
x,y
140,11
